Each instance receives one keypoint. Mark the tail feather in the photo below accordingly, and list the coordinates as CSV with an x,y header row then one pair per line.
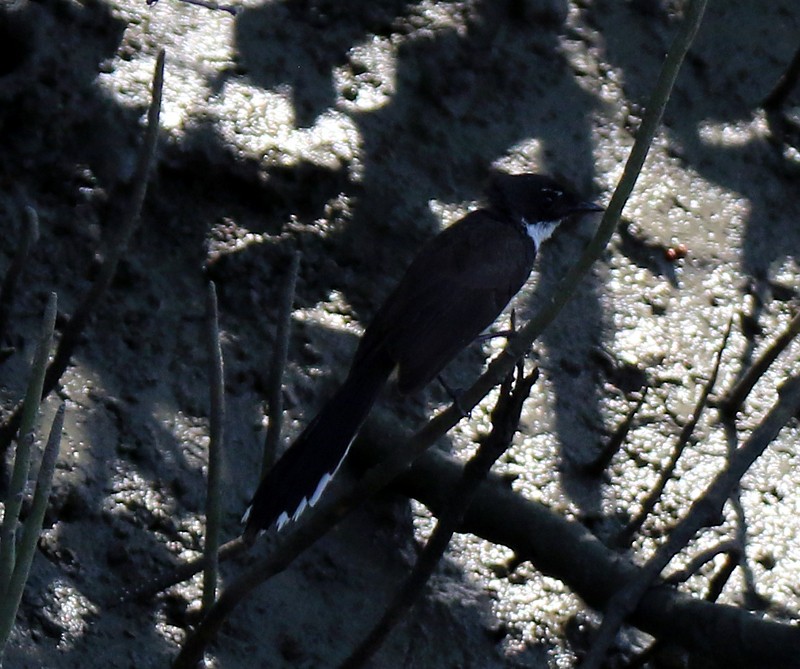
x,y
300,476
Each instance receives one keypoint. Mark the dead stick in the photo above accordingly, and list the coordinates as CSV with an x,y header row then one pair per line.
x,y
731,404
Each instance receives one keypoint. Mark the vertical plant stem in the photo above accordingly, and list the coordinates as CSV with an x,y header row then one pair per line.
x,y
31,530
277,365
125,229
22,456
215,444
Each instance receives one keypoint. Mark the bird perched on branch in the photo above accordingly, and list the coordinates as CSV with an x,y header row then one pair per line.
x,y
455,288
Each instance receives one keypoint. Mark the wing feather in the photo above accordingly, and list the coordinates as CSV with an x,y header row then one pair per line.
x,y
454,289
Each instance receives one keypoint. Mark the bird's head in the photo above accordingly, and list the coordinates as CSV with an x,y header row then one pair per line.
x,y
536,202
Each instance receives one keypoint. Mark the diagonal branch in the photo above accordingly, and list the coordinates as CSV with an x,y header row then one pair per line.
x,y
732,403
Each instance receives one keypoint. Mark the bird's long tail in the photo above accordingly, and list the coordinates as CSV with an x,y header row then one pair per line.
x,y
302,473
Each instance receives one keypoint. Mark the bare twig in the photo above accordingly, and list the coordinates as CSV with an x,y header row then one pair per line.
x,y
626,535
71,335
278,364
505,421
599,464
718,581
730,405
730,548
233,10
182,572
215,446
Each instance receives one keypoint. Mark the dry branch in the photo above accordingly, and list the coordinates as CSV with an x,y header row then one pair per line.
x,y
626,535
732,403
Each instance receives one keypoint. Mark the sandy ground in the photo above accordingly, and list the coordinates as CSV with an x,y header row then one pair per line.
x,y
353,131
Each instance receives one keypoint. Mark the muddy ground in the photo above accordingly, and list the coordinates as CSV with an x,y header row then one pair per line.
x,y
353,131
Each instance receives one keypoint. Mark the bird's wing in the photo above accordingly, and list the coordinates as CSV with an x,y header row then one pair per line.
x,y
454,289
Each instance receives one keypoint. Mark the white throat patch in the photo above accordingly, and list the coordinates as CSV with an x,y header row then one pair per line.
x,y
539,231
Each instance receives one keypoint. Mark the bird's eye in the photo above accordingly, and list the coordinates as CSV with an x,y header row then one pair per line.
x,y
551,196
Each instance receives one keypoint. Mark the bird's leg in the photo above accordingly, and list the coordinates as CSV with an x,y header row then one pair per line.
x,y
507,334
455,395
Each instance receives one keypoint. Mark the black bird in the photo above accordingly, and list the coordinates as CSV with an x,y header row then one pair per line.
x,y
454,289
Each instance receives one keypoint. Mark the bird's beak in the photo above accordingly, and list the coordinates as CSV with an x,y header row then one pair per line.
x,y
575,211
586,208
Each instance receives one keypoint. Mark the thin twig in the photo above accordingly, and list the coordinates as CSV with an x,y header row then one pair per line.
x,y
283,333
146,591
73,331
233,10
598,465
216,429
787,81
701,559
750,590
717,582
731,404
626,535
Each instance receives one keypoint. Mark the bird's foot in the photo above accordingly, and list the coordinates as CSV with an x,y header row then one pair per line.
x,y
455,396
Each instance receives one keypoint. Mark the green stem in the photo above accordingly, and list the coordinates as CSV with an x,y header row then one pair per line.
x,y
216,437
31,530
22,456
283,332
